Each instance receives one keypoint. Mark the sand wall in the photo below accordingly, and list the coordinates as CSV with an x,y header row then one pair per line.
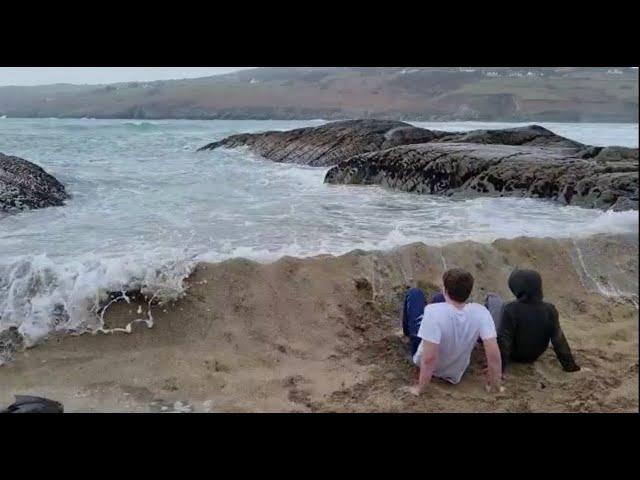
x,y
323,334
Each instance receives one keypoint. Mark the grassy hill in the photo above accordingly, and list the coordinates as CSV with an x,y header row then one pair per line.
x,y
407,93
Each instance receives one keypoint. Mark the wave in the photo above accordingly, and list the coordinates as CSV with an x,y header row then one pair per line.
x,y
40,296
144,126
129,126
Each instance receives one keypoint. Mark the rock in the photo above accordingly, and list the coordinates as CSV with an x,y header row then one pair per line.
x,y
526,161
24,185
30,404
335,142
616,154
328,144
623,203
498,170
532,135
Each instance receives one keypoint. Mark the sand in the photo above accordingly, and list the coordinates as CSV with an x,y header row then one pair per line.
x,y
323,334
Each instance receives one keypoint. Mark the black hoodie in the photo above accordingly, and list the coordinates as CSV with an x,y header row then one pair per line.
x,y
529,324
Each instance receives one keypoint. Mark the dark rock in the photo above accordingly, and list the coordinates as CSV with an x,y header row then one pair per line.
x,y
526,161
24,185
328,144
532,135
498,170
335,142
616,154
623,203
29,404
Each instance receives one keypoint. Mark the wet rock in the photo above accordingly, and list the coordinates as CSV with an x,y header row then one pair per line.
x,y
328,144
29,404
531,135
466,169
335,142
24,185
526,161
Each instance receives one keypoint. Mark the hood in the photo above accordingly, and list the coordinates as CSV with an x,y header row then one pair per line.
x,y
526,285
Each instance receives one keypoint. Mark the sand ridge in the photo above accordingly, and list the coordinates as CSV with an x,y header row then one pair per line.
x,y
323,334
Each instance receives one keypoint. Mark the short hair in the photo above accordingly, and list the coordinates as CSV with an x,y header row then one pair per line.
x,y
458,283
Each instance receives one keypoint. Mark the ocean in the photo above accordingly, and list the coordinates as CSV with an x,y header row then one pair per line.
x,y
145,207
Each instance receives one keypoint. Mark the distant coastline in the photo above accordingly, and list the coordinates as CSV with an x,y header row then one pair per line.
x,y
319,118
425,94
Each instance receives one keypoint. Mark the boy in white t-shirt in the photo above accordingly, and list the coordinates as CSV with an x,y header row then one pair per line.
x,y
448,333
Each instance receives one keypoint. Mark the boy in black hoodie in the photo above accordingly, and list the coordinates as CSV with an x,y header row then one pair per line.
x,y
528,324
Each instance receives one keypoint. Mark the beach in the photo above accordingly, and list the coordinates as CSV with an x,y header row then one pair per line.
x,y
323,334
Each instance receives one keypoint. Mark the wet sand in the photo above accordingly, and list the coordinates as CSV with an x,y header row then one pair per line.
x,y
323,334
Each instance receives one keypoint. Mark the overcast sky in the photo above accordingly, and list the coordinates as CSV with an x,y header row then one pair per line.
x,y
79,75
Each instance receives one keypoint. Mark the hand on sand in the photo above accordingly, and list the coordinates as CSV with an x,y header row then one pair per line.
x,y
490,389
411,389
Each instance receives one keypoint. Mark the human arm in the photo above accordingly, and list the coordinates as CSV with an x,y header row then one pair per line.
x,y
492,352
494,364
506,336
561,346
428,362
429,334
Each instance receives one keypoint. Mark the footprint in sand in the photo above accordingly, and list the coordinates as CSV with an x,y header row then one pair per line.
x,y
170,384
297,394
621,335
216,366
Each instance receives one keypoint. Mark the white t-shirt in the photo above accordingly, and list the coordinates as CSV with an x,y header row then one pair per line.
x,y
456,332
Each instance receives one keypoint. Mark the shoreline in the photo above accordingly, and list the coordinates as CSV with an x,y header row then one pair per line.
x,y
311,118
322,334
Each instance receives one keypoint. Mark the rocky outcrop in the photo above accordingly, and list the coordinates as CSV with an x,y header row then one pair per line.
x,y
328,144
335,142
526,161
24,185
531,135
604,180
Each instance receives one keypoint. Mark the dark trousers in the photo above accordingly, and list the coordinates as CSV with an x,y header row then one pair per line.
x,y
414,304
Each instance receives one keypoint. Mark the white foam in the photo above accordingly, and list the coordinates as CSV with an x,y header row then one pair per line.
x,y
41,296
